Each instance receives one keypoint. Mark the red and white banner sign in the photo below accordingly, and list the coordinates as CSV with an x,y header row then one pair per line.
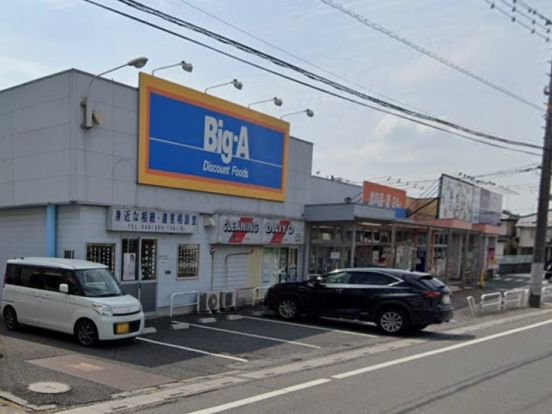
x,y
260,231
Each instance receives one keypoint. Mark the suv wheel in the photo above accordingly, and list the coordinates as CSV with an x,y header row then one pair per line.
x,y
393,321
86,333
288,308
10,319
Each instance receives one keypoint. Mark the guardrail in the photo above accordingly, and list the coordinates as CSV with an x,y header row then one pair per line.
x,y
515,298
260,293
189,292
251,296
501,301
546,293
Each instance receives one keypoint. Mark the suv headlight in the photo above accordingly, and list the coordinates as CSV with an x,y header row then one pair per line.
x,y
104,310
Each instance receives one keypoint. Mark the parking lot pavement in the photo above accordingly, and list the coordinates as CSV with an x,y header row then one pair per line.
x,y
165,355
182,349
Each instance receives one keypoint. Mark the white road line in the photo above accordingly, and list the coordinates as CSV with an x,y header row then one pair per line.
x,y
261,397
319,328
198,351
268,338
438,351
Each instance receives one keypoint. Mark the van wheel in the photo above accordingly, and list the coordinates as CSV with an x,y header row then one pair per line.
x,y
393,321
10,319
86,333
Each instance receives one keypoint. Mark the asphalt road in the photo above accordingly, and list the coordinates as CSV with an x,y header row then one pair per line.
x,y
503,369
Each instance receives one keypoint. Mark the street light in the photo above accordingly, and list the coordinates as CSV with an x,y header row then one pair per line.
x,y
277,102
138,63
309,112
236,83
186,66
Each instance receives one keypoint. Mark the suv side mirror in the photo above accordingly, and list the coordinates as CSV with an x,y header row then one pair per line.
x,y
64,288
316,280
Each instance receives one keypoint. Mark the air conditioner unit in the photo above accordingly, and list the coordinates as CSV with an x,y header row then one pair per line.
x,y
228,299
209,301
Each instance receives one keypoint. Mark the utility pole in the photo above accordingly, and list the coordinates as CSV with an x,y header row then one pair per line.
x,y
537,267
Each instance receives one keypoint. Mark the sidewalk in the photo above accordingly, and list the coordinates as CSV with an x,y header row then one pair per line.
x,y
6,408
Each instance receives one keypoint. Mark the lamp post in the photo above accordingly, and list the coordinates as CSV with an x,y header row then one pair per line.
x,y
138,63
309,112
186,67
234,82
277,101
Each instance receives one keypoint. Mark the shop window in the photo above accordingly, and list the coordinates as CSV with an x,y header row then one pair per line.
x,y
148,259
322,233
188,260
129,253
101,253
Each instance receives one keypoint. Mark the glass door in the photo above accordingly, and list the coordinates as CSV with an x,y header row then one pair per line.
x,y
139,271
147,282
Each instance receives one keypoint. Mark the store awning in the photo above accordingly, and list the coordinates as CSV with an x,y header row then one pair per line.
x,y
347,212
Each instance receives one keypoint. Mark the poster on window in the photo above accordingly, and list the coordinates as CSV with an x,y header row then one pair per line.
x,y
129,266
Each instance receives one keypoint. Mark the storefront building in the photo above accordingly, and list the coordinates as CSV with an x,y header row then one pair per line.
x,y
173,189
376,225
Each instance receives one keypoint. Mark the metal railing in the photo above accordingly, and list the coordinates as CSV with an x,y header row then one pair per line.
x,y
189,292
251,296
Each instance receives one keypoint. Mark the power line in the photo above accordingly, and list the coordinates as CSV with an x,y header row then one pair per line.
x,y
248,49
532,20
314,87
288,53
515,20
430,54
534,11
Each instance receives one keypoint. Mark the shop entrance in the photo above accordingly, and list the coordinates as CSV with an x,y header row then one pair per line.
x,y
279,265
139,271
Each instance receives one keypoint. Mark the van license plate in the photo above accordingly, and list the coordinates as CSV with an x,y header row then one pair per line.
x,y
122,328
445,300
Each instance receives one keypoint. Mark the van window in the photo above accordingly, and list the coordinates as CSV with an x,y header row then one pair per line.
x,y
31,277
12,275
52,280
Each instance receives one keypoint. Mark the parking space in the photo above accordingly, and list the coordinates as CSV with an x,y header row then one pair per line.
x,y
172,350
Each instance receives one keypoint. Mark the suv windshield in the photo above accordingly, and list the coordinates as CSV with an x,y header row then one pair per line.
x,y
98,283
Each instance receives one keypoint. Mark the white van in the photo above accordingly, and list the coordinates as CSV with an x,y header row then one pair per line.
x,y
72,296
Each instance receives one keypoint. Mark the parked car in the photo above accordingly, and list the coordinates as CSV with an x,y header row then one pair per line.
x,y
72,296
396,300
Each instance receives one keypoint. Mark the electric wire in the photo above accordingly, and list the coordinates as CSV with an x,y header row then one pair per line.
x,y
511,17
288,53
319,89
429,53
182,23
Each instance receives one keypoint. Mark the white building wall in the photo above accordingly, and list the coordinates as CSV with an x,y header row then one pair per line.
x,y
326,191
79,225
47,157
35,126
22,233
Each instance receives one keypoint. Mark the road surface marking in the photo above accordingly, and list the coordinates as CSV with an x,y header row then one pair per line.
x,y
318,328
438,351
261,397
268,338
198,351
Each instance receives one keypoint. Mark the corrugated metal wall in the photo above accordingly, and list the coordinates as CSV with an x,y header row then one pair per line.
x,y
22,233
230,267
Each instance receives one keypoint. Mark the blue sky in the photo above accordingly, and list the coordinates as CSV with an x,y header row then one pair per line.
x,y
39,37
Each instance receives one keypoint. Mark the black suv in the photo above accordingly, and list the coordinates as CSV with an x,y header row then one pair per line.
x,y
396,300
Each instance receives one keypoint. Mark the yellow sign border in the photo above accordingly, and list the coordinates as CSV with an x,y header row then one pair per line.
x,y
148,83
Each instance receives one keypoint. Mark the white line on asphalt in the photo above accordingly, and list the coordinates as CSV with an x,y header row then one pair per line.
x,y
262,397
438,351
319,328
198,351
268,338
